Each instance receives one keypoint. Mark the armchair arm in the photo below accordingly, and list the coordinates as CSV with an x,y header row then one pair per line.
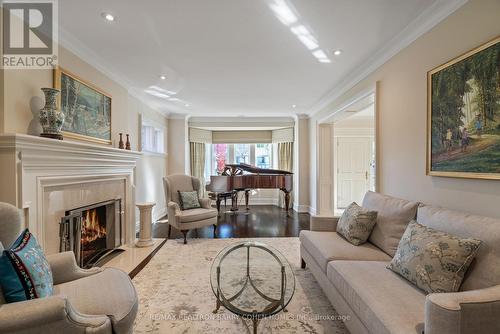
x,y
174,211
323,224
475,311
65,269
52,313
206,203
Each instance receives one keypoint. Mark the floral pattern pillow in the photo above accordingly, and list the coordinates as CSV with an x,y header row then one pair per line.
x,y
189,200
24,271
432,260
356,224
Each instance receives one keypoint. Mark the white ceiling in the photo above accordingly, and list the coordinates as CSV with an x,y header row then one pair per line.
x,y
233,57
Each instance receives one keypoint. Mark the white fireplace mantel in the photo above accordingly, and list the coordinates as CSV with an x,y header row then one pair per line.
x,y
35,171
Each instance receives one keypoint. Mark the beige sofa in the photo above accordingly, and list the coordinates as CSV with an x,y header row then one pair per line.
x,y
376,300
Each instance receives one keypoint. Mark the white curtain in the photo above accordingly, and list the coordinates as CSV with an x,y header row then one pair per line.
x,y
285,162
198,163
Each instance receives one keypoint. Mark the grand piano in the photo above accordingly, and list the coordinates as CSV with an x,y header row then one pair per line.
x,y
243,177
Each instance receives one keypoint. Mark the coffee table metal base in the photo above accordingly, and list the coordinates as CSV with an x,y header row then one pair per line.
x,y
255,316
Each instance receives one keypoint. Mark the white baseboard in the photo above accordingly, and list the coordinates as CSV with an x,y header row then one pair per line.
x,y
160,214
301,208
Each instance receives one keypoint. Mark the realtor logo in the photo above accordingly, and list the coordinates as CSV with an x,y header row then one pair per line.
x,y
29,34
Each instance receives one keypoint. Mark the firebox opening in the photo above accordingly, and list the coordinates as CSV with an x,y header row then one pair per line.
x,y
93,232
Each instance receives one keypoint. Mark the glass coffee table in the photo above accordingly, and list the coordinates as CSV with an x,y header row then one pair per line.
x,y
252,280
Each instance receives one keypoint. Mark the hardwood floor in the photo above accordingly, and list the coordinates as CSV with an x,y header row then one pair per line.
x,y
260,221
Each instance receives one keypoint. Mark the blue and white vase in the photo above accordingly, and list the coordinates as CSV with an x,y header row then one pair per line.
x,y
51,119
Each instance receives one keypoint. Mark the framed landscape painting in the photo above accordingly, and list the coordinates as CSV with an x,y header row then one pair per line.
x,y
86,107
463,122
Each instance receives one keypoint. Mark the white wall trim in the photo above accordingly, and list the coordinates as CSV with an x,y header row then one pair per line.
x,y
347,104
302,208
353,132
422,24
312,211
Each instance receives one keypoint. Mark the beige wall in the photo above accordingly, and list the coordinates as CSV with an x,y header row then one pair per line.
x,y
2,109
152,167
178,147
23,97
402,114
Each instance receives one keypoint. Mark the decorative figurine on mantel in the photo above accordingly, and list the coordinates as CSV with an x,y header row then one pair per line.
x,y
127,144
120,143
51,119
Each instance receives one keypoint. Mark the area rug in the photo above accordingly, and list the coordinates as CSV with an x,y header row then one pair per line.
x,y
175,294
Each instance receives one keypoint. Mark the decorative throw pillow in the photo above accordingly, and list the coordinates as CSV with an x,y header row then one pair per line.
x,y
432,260
356,224
25,272
189,200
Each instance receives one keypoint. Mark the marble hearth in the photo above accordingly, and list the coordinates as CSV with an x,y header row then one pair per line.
x,y
47,177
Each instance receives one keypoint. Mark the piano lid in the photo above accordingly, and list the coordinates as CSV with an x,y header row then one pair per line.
x,y
238,169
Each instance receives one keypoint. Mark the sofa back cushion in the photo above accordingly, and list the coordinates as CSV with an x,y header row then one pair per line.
x,y
485,269
394,214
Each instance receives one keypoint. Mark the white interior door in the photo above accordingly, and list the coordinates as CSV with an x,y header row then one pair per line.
x,y
354,160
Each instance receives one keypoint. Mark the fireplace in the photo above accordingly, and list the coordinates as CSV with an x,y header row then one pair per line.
x,y
92,232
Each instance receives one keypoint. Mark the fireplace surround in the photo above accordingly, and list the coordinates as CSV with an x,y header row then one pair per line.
x,y
46,178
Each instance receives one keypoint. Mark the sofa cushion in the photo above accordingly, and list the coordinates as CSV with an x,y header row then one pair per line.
x,y
109,292
485,269
434,261
382,300
356,224
193,215
327,246
393,216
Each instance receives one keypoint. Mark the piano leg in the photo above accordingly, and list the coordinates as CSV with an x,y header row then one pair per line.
x,y
217,202
287,200
234,201
247,194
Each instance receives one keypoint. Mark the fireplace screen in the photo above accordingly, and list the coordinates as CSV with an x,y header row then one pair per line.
x,y
92,232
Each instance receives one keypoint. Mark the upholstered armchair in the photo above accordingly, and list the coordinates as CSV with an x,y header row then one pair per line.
x,y
185,220
84,301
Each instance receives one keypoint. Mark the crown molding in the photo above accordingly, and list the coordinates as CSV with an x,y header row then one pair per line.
x,y
428,19
75,46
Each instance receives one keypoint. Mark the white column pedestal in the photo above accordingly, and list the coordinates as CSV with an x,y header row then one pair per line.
x,y
146,210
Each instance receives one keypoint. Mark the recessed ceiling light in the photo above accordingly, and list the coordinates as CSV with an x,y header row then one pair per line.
x,y
163,77
109,17
294,106
187,105
337,52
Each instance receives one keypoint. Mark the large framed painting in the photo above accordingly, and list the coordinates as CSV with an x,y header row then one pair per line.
x,y
463,122
86,107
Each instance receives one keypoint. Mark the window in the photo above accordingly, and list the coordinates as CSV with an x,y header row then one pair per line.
x,y
263,155
241,153
218,155
152,139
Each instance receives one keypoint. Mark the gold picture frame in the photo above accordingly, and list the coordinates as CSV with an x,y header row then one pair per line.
x,y
99,121
453,151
